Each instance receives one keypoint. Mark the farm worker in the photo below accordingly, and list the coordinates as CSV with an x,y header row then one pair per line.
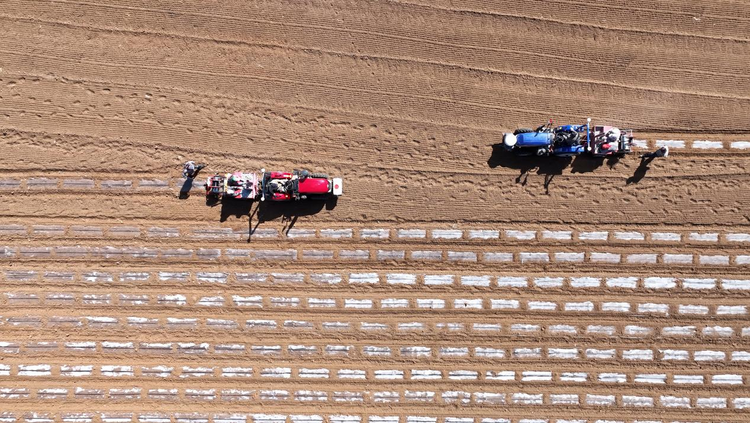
x,y
613,135
190,170
662,152
277,186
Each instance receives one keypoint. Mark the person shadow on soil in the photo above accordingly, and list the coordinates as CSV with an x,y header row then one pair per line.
x,y
547,166
641,171
188,185
185,189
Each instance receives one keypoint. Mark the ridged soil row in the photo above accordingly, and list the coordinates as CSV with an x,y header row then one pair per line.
x,y
651,203
302,75
494,42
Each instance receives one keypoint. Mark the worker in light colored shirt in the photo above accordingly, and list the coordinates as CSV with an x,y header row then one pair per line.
x,y
190,170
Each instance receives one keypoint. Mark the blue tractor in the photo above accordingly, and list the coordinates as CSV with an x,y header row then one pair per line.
x,y
569,140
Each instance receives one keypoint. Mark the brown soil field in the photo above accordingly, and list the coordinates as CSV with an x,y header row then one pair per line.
x,y
449,284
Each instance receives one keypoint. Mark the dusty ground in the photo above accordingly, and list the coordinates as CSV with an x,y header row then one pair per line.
x,y
449,282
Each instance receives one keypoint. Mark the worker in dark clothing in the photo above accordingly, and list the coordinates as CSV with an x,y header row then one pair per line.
x,y
662,152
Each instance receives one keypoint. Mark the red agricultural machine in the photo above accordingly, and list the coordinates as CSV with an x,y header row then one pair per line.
x,y
274,186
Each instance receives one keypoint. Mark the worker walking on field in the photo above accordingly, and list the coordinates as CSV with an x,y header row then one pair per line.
x,y
190,170
662,152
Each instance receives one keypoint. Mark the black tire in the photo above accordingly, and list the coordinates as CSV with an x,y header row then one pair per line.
x,y
522,131
318,175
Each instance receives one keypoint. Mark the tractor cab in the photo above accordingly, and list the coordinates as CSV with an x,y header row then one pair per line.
x,y
278,186
569,140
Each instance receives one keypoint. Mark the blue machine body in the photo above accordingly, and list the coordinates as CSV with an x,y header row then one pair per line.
x,y
534,139
576,128
566,151
569,140
543,141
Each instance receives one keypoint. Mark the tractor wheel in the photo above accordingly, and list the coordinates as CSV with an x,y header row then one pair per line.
x,y
318,175
522,131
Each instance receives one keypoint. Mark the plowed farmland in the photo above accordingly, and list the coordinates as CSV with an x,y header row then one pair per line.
x,y
450,284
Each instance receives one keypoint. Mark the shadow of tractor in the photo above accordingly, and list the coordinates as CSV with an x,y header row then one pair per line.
x,y
289,211
547,166
586,164
285,210
267,211
233,208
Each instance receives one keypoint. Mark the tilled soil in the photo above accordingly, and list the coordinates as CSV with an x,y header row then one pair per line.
x,y
450,284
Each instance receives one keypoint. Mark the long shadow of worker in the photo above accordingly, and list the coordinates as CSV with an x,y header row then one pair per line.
x,y
185,189
188,185
641,171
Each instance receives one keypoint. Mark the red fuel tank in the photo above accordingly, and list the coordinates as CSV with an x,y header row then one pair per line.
x,y
314,186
